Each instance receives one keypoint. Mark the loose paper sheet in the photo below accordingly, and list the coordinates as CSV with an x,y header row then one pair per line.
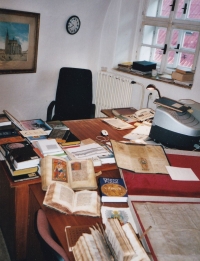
x,y
175,232
182,174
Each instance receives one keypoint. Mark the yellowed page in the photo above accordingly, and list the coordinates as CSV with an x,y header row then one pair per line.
x,y
86,203
140,158
53,169
60,197
82,175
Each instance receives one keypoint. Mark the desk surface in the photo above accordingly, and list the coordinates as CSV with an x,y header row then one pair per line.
x,y
86,129
83,129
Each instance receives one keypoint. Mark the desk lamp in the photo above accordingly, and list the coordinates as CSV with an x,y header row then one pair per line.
x,y
152,87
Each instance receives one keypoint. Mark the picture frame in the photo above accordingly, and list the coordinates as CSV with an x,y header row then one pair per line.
x,y
19,35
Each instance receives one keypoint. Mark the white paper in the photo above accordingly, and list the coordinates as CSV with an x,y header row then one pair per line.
x,y
177,173
141,132
88,151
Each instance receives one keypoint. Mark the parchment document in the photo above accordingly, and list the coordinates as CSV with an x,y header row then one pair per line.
x,y
175,232
140,158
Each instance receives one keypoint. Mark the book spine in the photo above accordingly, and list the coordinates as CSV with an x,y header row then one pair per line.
x,y
8,133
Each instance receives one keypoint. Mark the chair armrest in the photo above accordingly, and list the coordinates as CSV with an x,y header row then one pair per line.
x,y
92,113
50,110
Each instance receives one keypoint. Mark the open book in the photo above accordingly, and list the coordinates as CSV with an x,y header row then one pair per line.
x,y
78,174
140,158
63,199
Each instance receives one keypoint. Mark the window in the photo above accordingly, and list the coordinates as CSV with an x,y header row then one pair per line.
x,y
170,34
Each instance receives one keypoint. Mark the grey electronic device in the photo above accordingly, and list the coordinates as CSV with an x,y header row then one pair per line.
x,y
179,130
195,107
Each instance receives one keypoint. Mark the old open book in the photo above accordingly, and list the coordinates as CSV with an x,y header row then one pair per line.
x,y
117,243
78,174
140,158
63,199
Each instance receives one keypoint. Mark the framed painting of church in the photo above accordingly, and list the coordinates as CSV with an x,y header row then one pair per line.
x,y
19,34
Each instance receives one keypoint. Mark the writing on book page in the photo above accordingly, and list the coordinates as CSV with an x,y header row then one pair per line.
x,y
84,200
64,195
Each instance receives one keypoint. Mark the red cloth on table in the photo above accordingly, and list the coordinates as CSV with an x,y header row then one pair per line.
x,y
162,184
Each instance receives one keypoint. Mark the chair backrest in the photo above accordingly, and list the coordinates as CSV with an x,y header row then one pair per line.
x,y
44,231
74,94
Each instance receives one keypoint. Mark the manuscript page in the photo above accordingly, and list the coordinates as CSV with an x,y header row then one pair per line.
x,y
140,158
175,232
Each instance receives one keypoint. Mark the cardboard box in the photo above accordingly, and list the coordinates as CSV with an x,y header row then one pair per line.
x,y
183,77
143,66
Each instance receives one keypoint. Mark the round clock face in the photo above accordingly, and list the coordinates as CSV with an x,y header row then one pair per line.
x,y
73,24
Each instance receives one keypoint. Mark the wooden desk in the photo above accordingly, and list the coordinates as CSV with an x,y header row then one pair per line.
x,y
14,197
14,200
57,220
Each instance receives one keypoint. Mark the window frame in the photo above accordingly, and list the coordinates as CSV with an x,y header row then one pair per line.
x,y
170,24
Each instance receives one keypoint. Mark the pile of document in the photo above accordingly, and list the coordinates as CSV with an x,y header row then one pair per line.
x,y
99,154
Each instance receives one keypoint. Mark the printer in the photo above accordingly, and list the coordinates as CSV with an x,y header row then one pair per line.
x,y
173,129
195,107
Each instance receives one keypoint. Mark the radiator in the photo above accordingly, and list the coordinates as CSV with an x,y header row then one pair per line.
x,y
112,91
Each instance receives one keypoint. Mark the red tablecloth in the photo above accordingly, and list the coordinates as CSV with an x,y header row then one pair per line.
x,y
163,185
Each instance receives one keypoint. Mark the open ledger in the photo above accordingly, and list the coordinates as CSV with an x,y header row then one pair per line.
x,y
63,199
78,174
140,158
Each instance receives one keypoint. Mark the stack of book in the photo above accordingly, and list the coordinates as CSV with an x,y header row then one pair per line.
x,y
126,66
22,160
8,131
4,121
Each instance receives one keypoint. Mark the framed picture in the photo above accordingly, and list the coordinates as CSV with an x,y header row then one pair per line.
x,y
19,33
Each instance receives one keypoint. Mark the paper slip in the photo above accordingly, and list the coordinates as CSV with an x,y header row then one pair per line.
x,y
185,174
37,132
141,132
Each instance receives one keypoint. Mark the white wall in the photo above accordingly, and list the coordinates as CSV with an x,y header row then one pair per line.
x,y
106,37
27,96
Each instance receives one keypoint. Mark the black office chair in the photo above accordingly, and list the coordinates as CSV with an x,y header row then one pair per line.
x,y
50,248
73,97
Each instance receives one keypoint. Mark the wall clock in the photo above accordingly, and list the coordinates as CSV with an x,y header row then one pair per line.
x,y
73,24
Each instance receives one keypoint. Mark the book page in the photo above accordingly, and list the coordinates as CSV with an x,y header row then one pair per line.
x,y
86,202
140,158
53,169
60,197
175,229
82,175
